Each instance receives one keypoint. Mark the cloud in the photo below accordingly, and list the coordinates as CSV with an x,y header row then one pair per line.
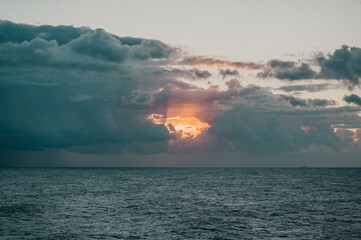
x,y
90,91
252,119
228,72
298,102
287,71
307,88
255,131
94,50
200,74
321,102
342,64
18,33
281,64
233,84
62,87
294,101
353,99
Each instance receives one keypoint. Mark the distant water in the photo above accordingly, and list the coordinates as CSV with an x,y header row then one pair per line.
x,y
180,203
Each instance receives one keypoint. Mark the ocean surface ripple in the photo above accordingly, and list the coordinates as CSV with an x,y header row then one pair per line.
x,y
180,203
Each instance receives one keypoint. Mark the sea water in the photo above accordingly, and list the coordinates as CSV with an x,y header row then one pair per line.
x,y
180,203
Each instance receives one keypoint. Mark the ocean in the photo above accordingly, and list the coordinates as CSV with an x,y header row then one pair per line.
x,y
180,203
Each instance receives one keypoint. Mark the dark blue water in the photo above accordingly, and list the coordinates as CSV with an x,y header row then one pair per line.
x,y
183,203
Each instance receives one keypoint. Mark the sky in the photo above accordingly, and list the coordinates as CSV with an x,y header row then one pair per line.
x,y
180,83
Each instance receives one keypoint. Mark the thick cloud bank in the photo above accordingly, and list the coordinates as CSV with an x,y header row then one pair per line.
x,y
89,91
64,86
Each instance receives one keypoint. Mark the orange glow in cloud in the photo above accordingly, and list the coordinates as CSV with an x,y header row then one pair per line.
x,y
305,129
355,137
186,126
211,62
355,131
158,90
182,120
183,127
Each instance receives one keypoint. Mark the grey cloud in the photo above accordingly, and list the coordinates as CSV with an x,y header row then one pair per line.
x,y
104,45
281,64
294,101
151,133
307,88
152,49
75,88
100,44
301,72
233,84
353,99
92,50
253,131
91,91
259,122
344,63
252,119
321,102
298,102
286,70
228,72
18,33
289,72
37,51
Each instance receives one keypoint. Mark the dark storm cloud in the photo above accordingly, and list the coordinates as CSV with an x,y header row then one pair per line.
x,y
228,72
298,102
353,99
62,87
342,64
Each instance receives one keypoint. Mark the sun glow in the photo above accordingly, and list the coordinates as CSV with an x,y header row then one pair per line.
x,y
182,127
182,119
186,126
